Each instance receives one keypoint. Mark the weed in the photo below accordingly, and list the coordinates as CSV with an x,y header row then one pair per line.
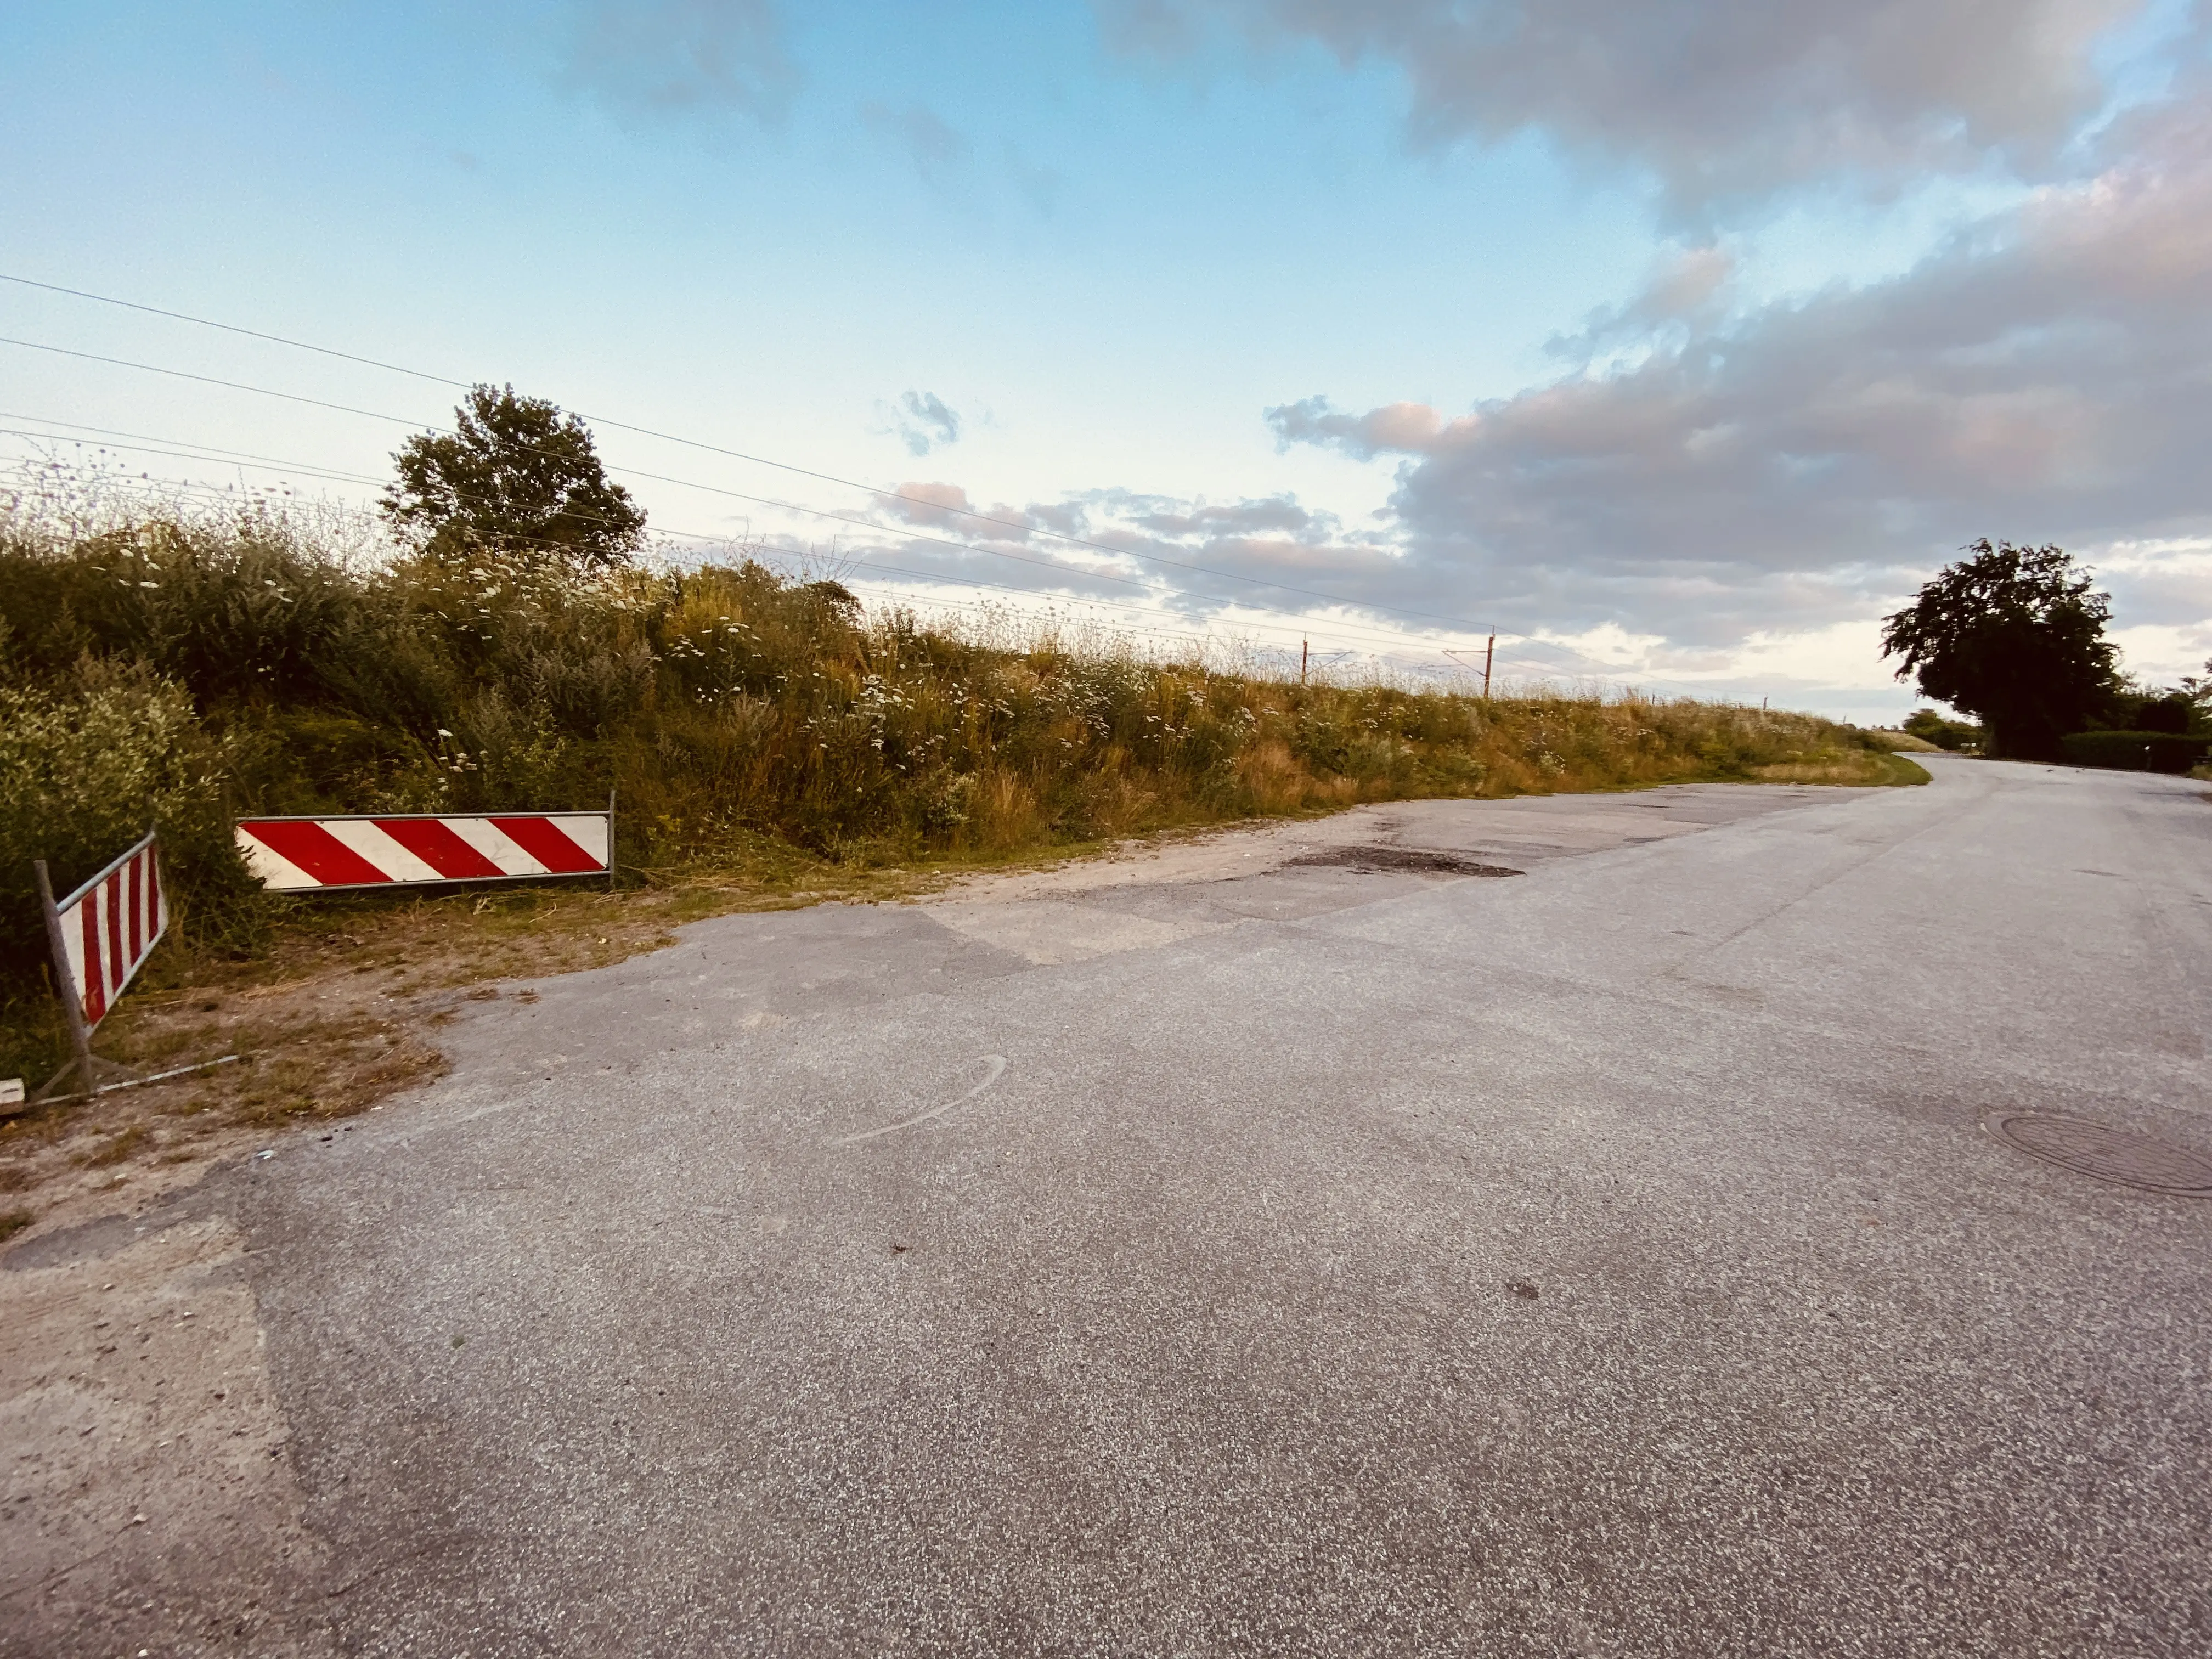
x,y
117,1148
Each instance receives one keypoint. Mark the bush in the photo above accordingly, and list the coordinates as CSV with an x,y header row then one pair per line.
x,y
2171,712
1951,736
2135,751
86,770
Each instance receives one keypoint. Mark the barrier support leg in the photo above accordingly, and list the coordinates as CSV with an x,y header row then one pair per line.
x,y
72,1003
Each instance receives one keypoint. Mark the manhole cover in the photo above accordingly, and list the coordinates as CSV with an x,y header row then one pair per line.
x,y
2109,1154
1374,859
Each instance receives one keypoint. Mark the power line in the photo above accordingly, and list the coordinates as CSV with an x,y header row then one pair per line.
x,y
208,452
1304,620
857,563
192,453
756,460
762,460
781,506
791,558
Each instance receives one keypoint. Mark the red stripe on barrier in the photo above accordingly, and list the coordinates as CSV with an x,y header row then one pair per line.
x,y
154,891
118,964
314,850
545,840
94,992
432,840
137,907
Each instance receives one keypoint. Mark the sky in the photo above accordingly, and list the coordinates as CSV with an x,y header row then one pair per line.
x,y
1674,343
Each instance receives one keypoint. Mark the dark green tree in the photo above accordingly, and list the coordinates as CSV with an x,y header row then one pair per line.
x,y
2015,637
516,477
1931,727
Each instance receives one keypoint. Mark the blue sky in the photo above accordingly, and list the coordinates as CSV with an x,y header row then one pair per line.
x,y
1098,244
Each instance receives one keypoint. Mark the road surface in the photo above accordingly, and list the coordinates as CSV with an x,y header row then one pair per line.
x,y
1336,1257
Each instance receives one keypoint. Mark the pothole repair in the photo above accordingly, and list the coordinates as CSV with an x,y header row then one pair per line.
x,y
2109,1154
1374,861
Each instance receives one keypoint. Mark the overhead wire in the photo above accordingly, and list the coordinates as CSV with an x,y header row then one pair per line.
x,y
1530,641
846,565
797,564
758,460
906,533
789,557
903,534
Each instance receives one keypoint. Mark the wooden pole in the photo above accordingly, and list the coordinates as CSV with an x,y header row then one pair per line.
x,y
1305,649
72,1000
1489,650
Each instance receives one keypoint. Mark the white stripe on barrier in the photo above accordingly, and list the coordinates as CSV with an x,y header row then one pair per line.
x,y
271,868
487,838
381,850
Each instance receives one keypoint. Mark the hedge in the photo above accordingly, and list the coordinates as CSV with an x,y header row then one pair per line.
x,y
2135,751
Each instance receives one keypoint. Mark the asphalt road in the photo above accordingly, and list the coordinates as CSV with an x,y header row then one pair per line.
x,y
1308,1259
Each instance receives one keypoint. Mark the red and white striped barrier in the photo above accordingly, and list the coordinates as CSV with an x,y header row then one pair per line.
x,y
294,855
102,931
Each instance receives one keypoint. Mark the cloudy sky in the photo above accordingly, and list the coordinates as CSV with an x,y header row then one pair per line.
x,y
1675,342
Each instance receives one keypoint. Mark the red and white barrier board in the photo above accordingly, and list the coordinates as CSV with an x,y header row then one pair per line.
x,y
108,928
294,855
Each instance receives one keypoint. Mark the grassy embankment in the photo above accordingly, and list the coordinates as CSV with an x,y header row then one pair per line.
x,y
770,743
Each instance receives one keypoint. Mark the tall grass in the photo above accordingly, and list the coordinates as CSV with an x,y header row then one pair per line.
x,y
177,667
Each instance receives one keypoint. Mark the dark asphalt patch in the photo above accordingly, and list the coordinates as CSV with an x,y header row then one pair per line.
x,y
1375,860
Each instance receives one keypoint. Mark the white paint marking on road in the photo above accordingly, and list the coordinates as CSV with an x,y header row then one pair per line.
x,y
998,1065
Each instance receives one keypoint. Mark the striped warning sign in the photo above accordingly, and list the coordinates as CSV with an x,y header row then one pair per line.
x,y
294,855
108,926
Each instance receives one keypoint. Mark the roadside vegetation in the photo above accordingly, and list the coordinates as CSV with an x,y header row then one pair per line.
x,y
2015,636
768,739
752,726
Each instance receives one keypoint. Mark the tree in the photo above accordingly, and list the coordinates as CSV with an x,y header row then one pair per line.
x,y
517,476
1930,727
2013,637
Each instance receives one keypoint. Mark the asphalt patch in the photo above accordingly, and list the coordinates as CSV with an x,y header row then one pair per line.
x,y
1376,860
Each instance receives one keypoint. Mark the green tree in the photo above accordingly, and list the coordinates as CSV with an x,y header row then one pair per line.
x,y
516,477
1954,735
2015,637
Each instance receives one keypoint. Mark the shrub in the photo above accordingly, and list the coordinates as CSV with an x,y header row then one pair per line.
x,y
2135,751
88,768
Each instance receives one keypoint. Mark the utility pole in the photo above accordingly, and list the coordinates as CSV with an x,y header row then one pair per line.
x,y
1489,650
1305,650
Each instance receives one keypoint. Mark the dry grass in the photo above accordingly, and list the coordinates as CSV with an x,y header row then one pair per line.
x,y
1861,767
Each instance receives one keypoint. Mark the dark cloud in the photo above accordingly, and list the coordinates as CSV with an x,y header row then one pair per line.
x,y
1748,477
676,55
2046,376
935,147
923,421
1186,556
1721,99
